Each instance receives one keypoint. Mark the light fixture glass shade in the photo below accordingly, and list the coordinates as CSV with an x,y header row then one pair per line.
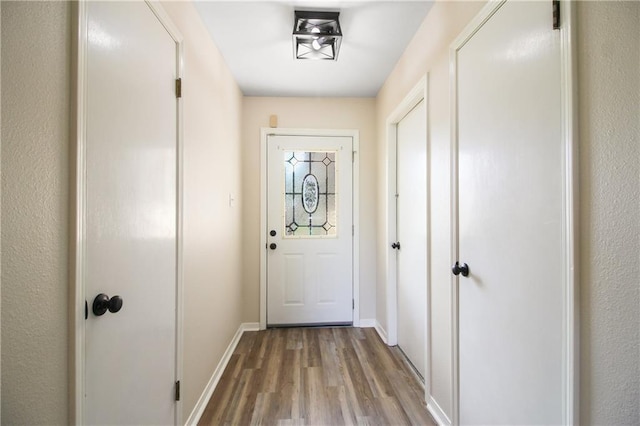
x,y
316,35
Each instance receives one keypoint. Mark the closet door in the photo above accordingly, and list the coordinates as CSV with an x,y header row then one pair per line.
x,y
130,217
411,223
510,220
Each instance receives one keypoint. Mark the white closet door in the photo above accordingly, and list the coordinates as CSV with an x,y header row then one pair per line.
x,y
130,213
411,171
510,224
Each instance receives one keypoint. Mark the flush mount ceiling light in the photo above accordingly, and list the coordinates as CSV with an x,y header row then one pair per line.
x,y
316,35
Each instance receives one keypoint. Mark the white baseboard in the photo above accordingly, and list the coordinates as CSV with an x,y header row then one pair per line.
x,y
438,414
367,323
381,332
250,326
197,411
373,323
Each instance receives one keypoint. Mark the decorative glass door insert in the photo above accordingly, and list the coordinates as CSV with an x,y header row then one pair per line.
x,y
310,194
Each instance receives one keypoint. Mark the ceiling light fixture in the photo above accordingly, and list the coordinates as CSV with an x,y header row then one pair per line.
x,y
316,35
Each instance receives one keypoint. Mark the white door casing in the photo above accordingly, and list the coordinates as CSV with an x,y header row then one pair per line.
x,y
310,241
128,214
411,225
513,219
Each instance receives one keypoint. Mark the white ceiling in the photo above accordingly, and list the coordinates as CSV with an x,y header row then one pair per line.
x,y
255,38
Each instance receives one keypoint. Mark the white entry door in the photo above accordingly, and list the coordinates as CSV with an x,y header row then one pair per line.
x,y
310,240
130,216
411,217
510,220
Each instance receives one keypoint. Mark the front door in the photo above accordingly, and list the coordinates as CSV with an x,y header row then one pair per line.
x,y
309,235
411,217
510,219
130,216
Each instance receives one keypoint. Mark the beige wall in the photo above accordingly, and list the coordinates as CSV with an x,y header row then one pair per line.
x,y
609,90
320,113
212,247
0,206
36,62
427,53
35,206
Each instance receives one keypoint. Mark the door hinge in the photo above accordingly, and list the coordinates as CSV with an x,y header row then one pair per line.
x,y
178,390
555,5
178,87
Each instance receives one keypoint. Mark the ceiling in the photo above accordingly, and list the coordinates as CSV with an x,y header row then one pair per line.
x,y
255,38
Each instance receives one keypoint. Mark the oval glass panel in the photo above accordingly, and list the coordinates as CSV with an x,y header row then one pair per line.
x,y
310,193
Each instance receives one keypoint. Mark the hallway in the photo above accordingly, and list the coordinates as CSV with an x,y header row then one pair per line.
x,y
330,376
42,294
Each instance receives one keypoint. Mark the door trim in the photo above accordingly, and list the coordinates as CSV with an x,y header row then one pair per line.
x,y
570,201
77,237
265,132
416,95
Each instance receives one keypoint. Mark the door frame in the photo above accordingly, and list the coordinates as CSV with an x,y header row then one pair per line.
x,y
416,95
265,132
78,187
569,123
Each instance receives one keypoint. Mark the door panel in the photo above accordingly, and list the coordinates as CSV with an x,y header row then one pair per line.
x,y
510,219
412,234
309,213
131,195
293,276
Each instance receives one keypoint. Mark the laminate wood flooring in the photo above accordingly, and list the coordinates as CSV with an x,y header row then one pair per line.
x,y
316,376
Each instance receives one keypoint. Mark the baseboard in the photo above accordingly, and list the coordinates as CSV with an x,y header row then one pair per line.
x,y
367,323
250,326
438,414
197,411
381,332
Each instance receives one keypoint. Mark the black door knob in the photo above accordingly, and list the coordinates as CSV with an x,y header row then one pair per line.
x,y
272,246
102,304
396,245
460,269
272,233
115,304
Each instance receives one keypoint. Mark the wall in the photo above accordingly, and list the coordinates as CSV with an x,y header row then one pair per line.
x,y
0,206
35,146
321,113
212,253
36,55
427,53
609,90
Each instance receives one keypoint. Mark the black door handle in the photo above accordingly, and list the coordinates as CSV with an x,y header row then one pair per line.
x,y
102,304
460,269
272,246
396,245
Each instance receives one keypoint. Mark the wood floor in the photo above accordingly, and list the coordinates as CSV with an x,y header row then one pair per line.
x,y
316,376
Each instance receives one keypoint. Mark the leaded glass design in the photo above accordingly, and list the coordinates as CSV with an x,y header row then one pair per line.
x,y
310,193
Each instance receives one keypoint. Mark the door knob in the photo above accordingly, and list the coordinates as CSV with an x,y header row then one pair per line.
x,y
272,246
396,245
272,233
102,304
460,269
